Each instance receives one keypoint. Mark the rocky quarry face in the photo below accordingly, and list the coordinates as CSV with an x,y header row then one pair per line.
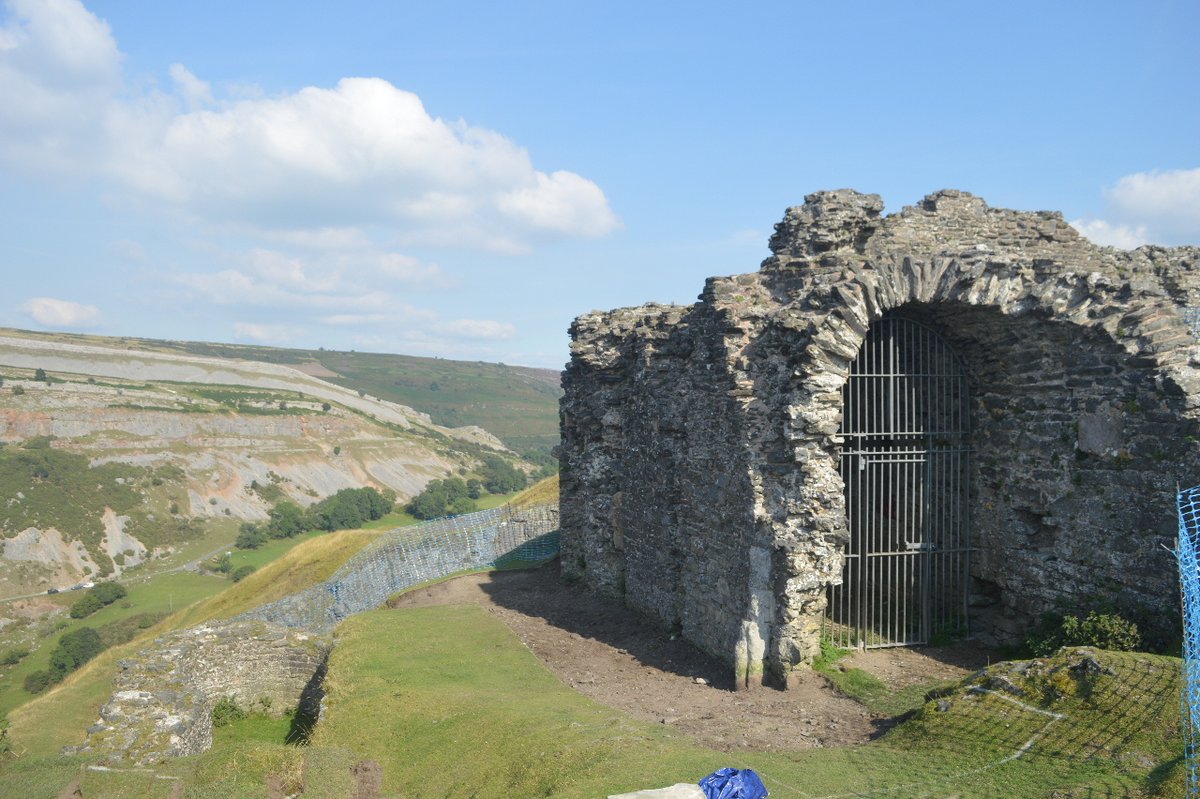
x,y
701,444
151,410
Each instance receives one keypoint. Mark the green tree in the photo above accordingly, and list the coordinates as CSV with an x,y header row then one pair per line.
x,y
85,606
241,573
286,520
109,592
73,650
250,536
40,375
97,597
500,476
350,507
441,498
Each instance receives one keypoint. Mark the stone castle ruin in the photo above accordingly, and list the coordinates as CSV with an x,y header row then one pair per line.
x,y
945,421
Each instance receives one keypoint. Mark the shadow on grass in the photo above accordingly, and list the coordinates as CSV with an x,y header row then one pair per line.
x,y
308,709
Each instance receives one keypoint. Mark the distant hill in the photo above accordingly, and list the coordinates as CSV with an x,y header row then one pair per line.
x,y
517,404
114,451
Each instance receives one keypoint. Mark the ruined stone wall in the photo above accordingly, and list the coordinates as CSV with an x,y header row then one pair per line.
x,y
653,443
700,444
162,706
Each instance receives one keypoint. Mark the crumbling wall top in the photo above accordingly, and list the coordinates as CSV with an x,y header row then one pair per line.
x,y
828,220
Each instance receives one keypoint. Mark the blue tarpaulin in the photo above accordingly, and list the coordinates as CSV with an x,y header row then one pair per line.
x,y
732,783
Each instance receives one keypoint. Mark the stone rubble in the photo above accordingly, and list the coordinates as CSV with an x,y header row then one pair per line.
x,y
164,697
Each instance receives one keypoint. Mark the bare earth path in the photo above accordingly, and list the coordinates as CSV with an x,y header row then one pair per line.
x,y
616,657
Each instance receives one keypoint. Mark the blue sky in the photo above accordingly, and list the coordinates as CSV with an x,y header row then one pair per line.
x,y
462,179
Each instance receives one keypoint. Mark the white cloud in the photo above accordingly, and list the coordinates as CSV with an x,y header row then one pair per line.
x,y
321,238
331,281
1160,207
1167,201
197,93
563,203
59,72
264,333
361,153
1104,233
53,312
477,329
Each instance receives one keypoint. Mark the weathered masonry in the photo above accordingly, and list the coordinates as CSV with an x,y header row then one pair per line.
x,y
947,420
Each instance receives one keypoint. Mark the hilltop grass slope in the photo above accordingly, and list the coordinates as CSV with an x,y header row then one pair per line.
x,y
446,702
40,727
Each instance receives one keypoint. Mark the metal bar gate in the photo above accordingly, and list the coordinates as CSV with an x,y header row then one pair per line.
x,y
905,465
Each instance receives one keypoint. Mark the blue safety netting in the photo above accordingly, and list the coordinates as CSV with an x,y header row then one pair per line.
x,y
501,537
1189,582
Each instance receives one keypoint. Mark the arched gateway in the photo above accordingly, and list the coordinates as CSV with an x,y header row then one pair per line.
x,y
905,463
798,453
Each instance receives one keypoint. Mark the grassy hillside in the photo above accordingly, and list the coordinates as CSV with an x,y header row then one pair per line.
x,y
503,726
518,405
540,492
446,702
42,726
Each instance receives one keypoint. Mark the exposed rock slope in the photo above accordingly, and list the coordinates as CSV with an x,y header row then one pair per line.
x,y
186,438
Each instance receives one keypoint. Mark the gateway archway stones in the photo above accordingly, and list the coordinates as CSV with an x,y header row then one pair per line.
x,y
699,443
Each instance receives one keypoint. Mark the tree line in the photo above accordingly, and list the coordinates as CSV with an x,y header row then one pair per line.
x,y
454,496
348,508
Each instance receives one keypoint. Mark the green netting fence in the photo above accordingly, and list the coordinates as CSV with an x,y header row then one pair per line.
x,y
407,556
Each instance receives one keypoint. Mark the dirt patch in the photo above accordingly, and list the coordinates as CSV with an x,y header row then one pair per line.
x,y
368,776
34,608
617,657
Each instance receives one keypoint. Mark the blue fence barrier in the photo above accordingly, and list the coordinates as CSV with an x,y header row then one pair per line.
x,y
1189,583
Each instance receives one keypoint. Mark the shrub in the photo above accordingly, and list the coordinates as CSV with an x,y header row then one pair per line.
x,y
226,711
14,656
97,597
73,650
37,681
1102,630
241,573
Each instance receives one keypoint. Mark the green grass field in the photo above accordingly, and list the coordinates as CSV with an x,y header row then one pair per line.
x,y
450,704
477,709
